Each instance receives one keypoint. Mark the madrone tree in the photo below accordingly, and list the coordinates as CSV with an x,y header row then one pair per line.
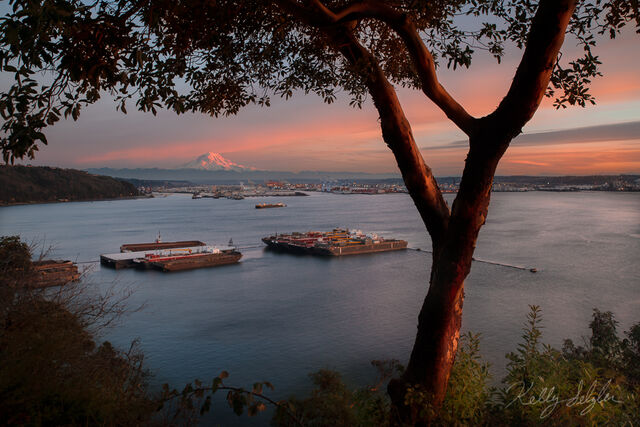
x,y
217,56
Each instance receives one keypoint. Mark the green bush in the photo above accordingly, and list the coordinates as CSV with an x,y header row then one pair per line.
x,y
15,262
332,403
575,386
467,395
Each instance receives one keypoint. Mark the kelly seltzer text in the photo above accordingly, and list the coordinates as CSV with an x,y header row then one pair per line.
x,y
549,399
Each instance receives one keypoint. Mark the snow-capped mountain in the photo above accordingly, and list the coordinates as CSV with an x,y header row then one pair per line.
x,y
215,162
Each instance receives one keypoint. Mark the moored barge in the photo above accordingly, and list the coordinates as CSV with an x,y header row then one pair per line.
x,y
54,273
158,245
158,256
337,242
208,258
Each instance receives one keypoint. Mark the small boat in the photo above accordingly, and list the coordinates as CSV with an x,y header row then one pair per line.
x,y
270,205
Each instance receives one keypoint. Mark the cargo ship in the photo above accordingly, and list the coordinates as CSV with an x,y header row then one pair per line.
x,y
337,242
270,205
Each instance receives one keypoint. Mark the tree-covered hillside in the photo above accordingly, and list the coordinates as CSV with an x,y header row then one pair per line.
x,y
28,184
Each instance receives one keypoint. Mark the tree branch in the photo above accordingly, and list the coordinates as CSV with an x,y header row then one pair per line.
x,y
194,392
420,55
532,76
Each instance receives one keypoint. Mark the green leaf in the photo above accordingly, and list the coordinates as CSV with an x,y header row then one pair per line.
x,y
216,383
206,406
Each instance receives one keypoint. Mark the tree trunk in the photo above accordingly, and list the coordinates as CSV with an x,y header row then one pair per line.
x,y
440,318
434,349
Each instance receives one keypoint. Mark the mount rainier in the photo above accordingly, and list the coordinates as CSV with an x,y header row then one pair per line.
x,y
215,162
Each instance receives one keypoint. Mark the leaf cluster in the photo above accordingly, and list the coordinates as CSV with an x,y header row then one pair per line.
x,y
606,350
15,261
187,406
332,402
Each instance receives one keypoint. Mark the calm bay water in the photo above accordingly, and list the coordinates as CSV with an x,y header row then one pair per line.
x,y
277,317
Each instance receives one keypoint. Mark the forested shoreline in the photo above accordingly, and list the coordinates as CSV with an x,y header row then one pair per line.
x,y
43,184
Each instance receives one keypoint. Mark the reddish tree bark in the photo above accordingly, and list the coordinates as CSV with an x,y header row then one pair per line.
x,y
453,232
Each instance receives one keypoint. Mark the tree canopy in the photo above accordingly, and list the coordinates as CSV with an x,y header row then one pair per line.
x,y
216,57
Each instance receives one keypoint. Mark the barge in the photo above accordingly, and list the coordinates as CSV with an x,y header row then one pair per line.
x,y
158,245
170,256
54,273
125,259
337,242
210,257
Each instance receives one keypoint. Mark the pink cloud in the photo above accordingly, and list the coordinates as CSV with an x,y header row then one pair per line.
x,y
528,162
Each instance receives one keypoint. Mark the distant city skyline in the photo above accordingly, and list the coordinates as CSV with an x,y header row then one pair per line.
x,y
305,134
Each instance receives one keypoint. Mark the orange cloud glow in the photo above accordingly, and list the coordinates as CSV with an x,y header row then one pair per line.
x,y
309,133
577,159
529,162
305,134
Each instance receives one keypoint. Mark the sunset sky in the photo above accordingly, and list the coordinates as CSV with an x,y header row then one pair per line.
x,y
305,134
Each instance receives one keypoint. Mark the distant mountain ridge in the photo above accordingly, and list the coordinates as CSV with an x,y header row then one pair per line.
x,y
234,176
215,162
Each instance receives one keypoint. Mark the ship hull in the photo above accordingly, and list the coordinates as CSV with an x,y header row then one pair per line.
x,y
270,205
388,245
195,261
